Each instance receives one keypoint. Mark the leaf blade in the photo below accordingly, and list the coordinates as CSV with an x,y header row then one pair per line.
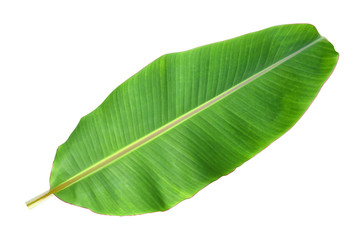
x,y
156,195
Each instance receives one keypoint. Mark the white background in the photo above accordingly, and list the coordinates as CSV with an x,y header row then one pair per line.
x,y
60,59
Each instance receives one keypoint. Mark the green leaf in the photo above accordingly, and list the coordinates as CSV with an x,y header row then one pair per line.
x,y
189,118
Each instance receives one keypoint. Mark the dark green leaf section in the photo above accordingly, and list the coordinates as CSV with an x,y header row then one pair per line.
x,y
212,143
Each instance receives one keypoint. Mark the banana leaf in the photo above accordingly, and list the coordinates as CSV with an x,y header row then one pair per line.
x,y
189,118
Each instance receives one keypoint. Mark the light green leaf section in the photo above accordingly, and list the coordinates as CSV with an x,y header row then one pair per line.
x,y
189,118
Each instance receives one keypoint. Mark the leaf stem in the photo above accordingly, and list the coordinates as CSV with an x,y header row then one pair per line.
x,y
38,199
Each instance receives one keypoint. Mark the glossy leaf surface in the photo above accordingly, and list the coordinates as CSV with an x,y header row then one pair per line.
x,y
189,118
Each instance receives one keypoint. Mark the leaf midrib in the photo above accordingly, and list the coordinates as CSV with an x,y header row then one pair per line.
x,y
158,132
